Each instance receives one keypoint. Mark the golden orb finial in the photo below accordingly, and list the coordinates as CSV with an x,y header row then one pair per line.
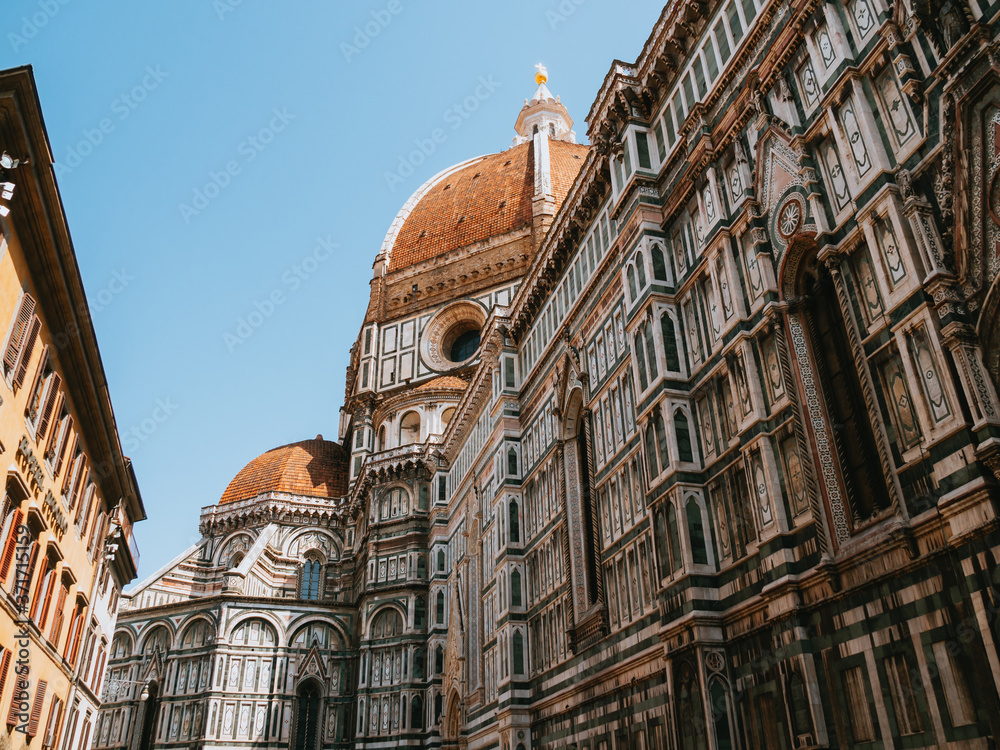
x,y
542,75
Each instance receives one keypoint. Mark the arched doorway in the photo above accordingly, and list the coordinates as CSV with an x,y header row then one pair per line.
x,y
308,708
150,709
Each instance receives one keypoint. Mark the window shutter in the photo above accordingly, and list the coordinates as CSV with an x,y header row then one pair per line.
x,y
52,725
40,589
47,604
83,514
17,333
36,708
60,447
52,394
11,546
77,633
57,618
25,586
25,356
20,683
4,666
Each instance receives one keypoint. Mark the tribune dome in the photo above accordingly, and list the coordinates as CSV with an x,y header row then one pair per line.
x,y
315,468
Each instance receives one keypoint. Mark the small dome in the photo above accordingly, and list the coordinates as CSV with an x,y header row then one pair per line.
x,y
315,468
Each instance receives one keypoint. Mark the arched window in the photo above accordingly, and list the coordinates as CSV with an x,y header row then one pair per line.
x,y
512,462
654,467
650,350
387,624
659,265
421,567
439,608
640,361
418,663
518,646
438,660
848,416
440,561
662,546
515,588
409,428
721,723
632,289
683,432
673,538
420,612
696,532
515,524
381,438
661,439
416,713
640,267
309,579
446,416
669,342
552,130
690,714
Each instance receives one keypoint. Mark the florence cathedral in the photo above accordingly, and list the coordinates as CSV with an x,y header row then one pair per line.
x,y
685,439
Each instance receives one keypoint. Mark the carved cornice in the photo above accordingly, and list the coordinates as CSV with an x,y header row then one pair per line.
x,y
272,507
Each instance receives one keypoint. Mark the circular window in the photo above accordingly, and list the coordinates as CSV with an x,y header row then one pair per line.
x,y
452,337
464,346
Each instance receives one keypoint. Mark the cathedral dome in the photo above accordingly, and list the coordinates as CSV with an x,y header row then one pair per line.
x,y
489,196
315,468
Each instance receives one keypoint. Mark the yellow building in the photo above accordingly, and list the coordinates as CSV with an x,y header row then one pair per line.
x,y
70,496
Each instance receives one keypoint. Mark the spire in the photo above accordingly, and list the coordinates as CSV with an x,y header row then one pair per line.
x,y
543,113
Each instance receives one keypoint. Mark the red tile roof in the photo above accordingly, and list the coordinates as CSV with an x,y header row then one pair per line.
x,y
490,197
445,381
316,468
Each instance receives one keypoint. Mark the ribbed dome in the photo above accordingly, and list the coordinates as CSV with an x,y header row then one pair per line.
x,y
484,197
316,468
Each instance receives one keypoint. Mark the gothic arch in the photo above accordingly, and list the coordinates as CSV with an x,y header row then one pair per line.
x,y
189,622
453,716
840,411
151,629
374,614
238,541
330,552
280,639
310,618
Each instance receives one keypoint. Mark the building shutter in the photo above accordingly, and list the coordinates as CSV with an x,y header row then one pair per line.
x,y
36,708
18,332
4,666
11,546
51,396
60,447
20,683
77,634
25,356
57,619
40,589
50,585
25,583
52,726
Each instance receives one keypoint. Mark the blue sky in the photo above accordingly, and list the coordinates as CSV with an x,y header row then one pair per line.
x,y
211,155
